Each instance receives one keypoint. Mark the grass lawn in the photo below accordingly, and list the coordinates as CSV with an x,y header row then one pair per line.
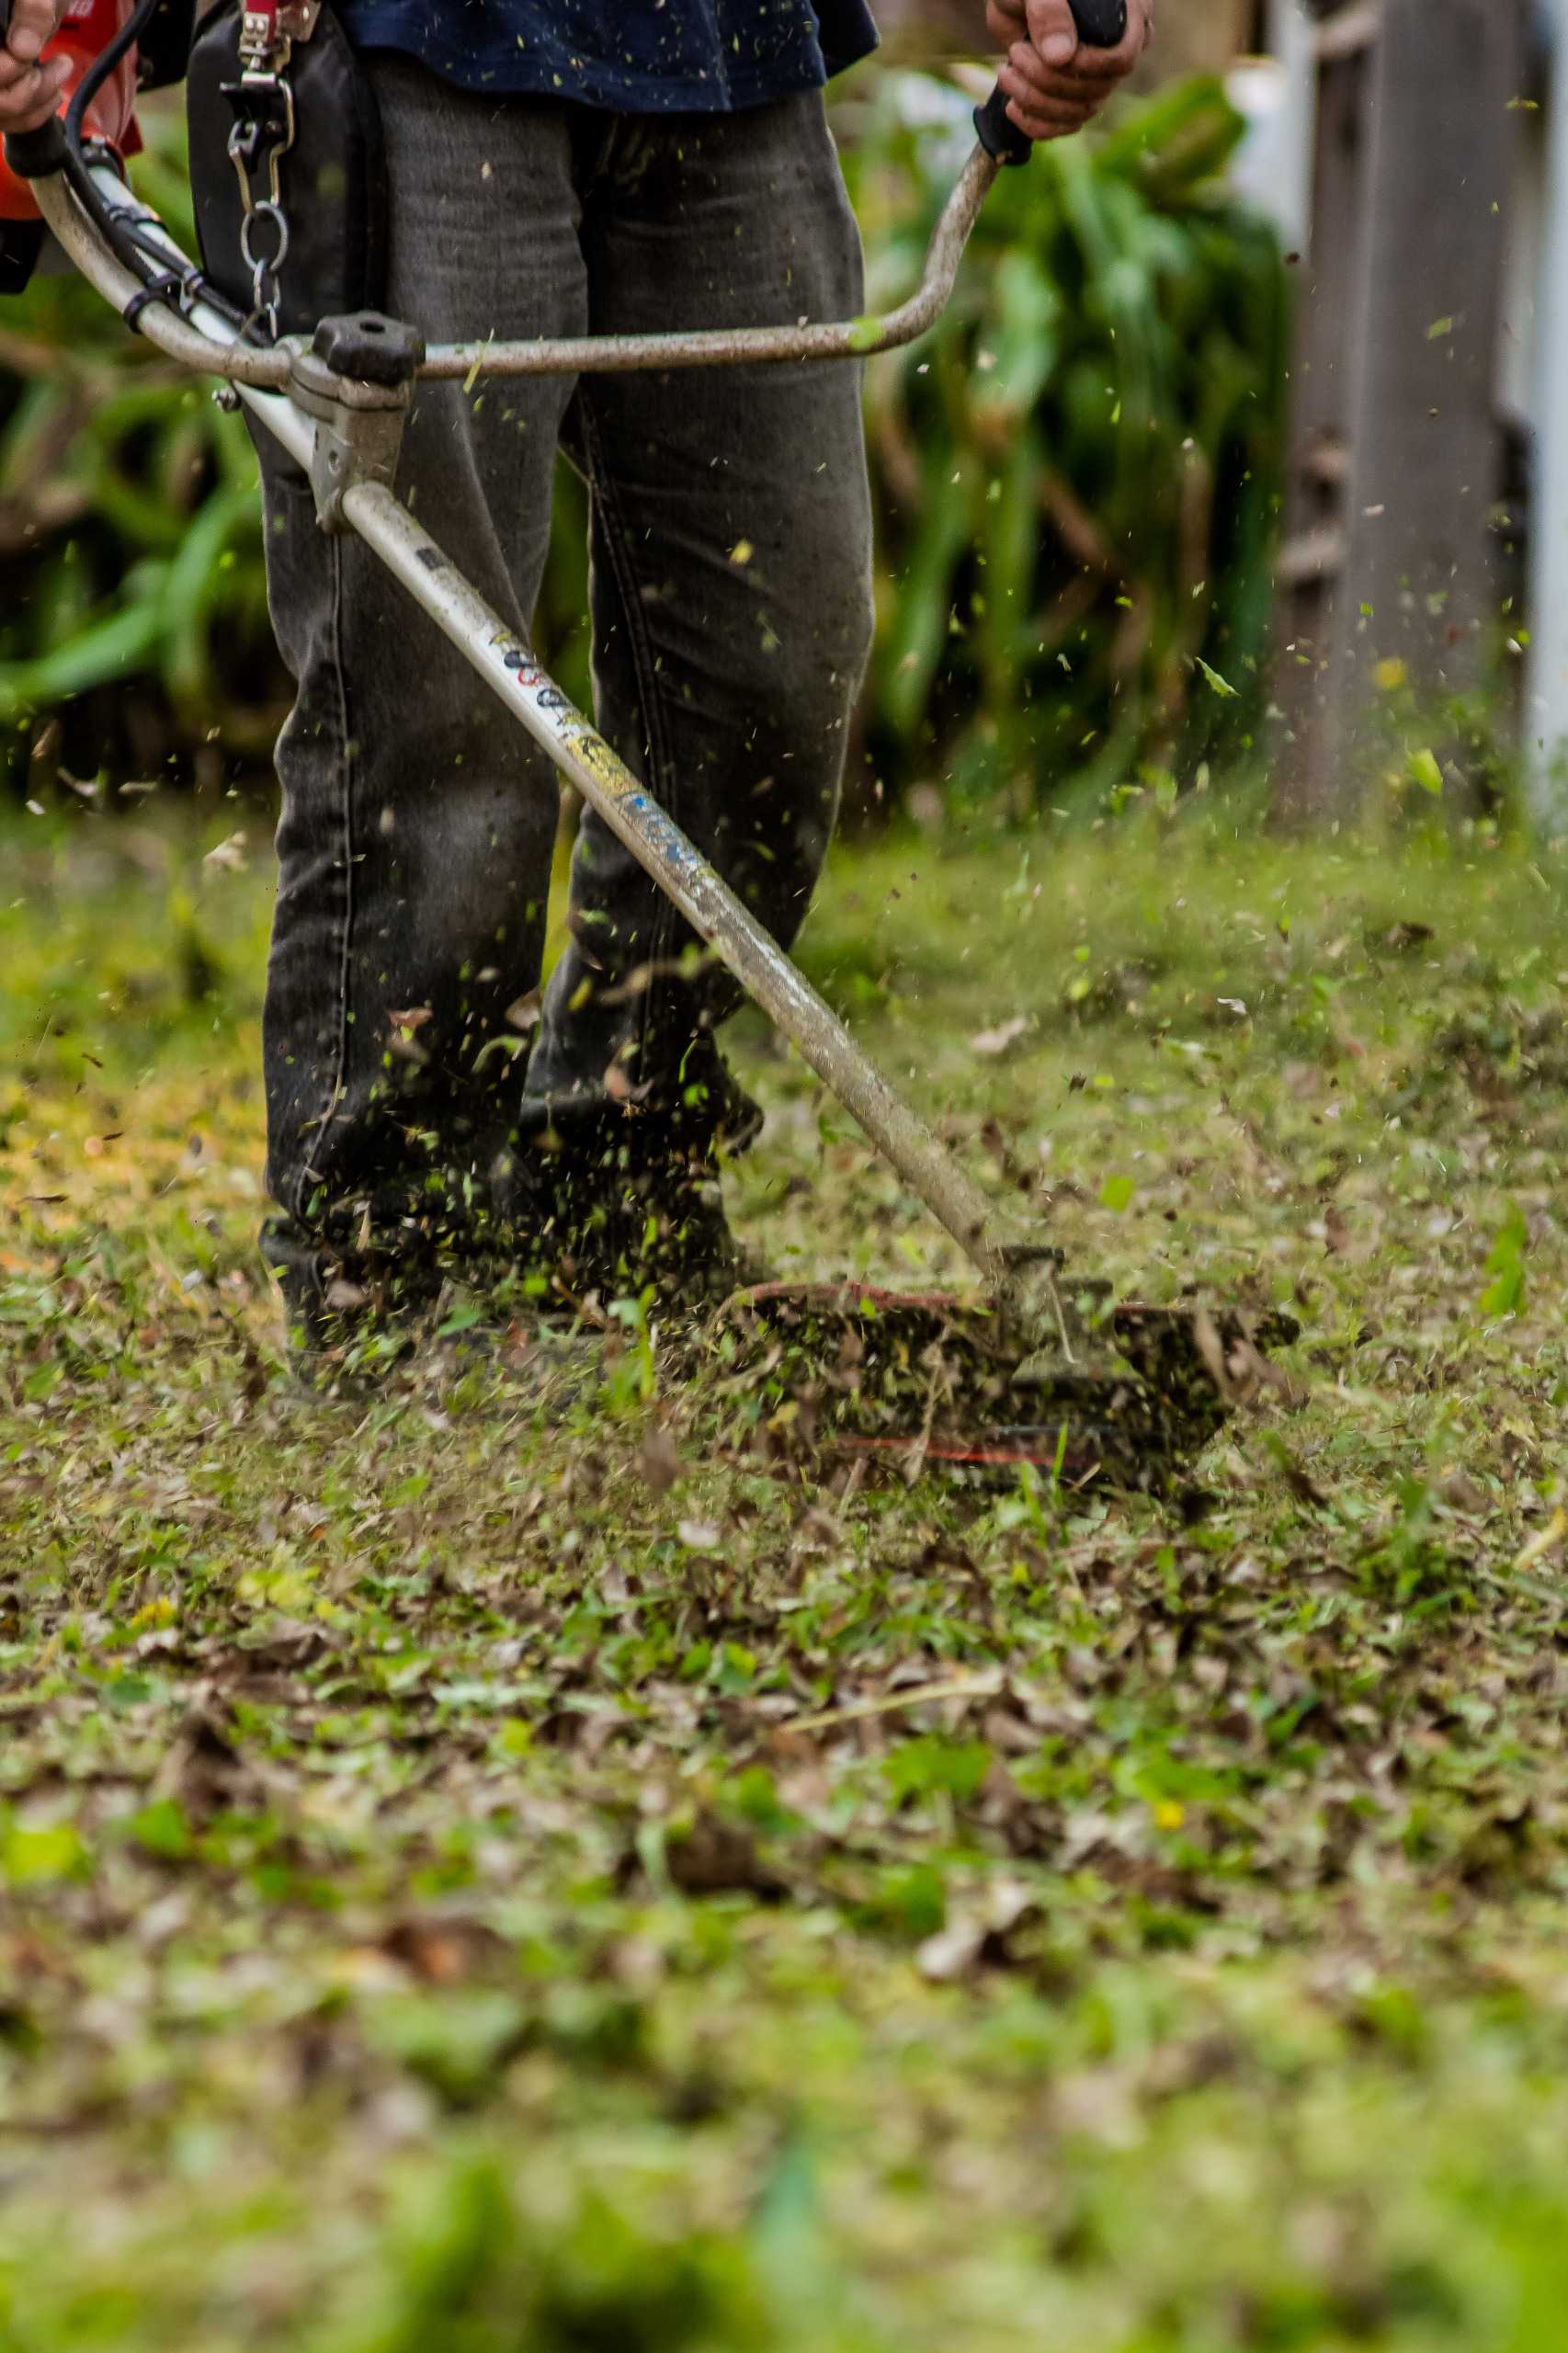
x,y
464,1888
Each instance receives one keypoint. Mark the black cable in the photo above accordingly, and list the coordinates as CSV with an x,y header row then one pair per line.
x,y
87,90
195,287
143,258
103,65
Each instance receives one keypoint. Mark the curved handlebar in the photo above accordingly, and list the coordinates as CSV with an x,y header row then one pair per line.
x,y
39,156
201,347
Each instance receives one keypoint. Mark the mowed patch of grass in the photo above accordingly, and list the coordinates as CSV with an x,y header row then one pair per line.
x,y
479,1872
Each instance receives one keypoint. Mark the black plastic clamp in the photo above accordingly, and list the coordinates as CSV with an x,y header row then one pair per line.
x,y
158,289
368,347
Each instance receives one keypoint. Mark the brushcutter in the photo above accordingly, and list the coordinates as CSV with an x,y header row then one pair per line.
x,y
337,403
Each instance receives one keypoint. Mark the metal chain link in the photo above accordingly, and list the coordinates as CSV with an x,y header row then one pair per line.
x,y
262,135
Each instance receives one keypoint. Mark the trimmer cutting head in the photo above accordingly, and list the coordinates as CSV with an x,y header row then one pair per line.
x,y
1122,1393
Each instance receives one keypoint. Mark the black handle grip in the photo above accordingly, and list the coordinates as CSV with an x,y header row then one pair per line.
x,y
37,154
998,134
1102,24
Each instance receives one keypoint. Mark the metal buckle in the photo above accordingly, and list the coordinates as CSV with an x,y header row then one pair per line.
x,y
263,114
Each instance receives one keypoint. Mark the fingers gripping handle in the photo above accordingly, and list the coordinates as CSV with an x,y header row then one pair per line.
x,y
1102,24
32,155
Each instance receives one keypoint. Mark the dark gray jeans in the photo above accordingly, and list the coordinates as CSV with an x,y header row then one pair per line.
x,y
419,820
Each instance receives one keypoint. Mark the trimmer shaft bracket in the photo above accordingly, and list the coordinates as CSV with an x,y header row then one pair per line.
x,y
353,381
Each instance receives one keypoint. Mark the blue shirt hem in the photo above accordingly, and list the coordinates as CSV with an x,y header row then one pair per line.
x,y
479,48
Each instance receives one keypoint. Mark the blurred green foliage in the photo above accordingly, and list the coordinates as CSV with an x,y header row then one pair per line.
x,y
133,587
133,599
1075,477
1077,472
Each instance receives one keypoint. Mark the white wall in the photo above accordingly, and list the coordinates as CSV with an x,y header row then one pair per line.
x,y
1277,94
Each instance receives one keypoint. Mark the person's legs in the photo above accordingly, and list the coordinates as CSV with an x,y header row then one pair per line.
x,y
418,824
731,593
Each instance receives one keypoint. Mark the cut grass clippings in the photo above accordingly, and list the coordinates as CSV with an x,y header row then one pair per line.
x,y
486,1872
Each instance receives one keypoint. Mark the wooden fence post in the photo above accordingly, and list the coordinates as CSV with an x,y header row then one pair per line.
x,y
1395,460
1546,711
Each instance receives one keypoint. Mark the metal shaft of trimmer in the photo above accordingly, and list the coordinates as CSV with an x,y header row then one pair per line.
x,y
706,901
319,421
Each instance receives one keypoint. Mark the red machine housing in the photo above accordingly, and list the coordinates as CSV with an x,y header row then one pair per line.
x,y
88,28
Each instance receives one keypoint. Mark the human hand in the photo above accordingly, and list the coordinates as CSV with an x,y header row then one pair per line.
x,y
1053,81
30,92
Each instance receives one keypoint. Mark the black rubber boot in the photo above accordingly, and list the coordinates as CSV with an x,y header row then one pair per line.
x,y
357,1280
635,1186
622,1223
